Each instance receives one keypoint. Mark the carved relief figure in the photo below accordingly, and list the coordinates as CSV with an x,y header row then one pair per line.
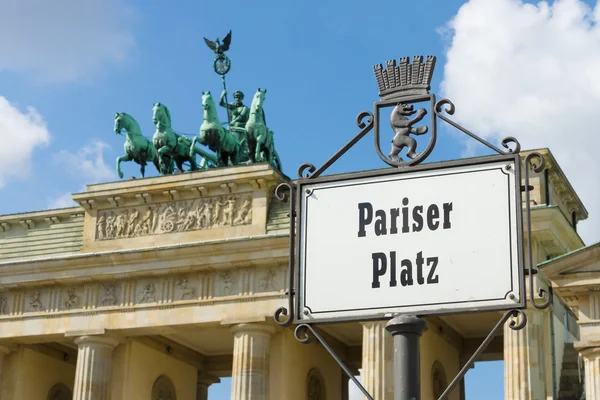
x,y
267,282
244,213
189,220
101,227
228,211
3,305
72,299
186,291
110,228
228,282
109,296
217,214
131,222
179,216
34,301
148,293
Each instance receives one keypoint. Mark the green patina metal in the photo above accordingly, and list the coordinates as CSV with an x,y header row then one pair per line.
x,y
245,140
137,147
260,138
218,139
172,147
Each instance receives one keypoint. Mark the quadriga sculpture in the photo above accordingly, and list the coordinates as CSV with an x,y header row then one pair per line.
x,y
137,147
261,144
171,146
217,138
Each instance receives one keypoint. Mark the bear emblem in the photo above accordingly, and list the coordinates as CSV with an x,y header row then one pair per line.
x,y
403,127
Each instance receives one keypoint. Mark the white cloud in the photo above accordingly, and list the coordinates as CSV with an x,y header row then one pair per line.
x,y
20,134
532,71
62,201
63,40
87,165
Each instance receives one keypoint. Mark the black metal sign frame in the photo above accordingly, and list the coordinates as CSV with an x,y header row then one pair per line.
x,y
301,187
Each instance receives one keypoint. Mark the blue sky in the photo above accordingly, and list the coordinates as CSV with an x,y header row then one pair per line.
x,y
66,67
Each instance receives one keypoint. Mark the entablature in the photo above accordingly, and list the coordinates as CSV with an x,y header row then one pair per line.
x,y
200,206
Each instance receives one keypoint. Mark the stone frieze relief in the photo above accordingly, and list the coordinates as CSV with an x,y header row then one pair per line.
x,y
179,216
127,294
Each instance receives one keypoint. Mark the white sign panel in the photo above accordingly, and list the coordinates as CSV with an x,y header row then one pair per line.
x,y
426,242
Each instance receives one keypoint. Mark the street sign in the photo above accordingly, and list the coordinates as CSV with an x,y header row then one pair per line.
x,y
433,239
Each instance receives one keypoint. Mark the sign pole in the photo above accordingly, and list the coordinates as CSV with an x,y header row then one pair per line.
x,y
407,331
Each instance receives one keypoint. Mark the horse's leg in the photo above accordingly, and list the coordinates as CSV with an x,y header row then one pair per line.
x,y
154,159
278,160
203,164
260,141
163,153
179,165
192,147
119,159
193,164
251,145
143,168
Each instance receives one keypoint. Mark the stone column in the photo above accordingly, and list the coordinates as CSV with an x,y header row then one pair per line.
x,y
345,388
378,361
202,390
591,359
250,372
204,381
92,374
525,352
4,351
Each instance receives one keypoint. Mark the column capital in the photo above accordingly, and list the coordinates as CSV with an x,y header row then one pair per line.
x,y
253,328
96,339
206,379
374,323
590,352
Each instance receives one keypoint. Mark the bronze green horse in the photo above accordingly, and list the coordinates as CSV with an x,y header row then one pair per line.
x,y
171,146
137,147
218,139
261,145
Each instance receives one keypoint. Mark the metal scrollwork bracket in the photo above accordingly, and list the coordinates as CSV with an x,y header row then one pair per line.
x,y
536,162
364,120
285,193
515,325
439,111
301,334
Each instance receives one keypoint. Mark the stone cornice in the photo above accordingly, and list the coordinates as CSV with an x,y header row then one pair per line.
x,y
567,265
190,185
107,265
30,219
550,228
560,184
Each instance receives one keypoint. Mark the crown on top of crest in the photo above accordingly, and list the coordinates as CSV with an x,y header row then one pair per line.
x,y
405,79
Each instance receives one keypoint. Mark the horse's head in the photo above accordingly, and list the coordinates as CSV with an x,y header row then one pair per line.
x,y
119,122
161,115
258,100
210,109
